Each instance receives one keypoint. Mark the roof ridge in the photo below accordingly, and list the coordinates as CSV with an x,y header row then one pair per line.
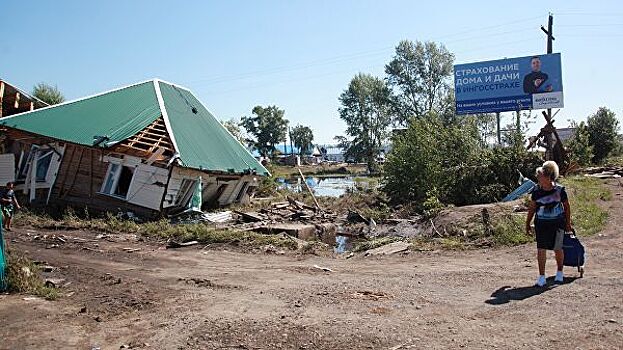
x,y
79,99
165,114
172,84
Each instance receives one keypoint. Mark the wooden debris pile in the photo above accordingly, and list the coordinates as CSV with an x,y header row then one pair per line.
x,y
287,211
605,172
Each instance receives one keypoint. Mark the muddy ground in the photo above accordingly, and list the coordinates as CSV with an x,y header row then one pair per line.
x,y
148,297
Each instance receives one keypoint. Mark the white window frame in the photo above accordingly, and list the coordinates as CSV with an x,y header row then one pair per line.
x,y
117,175
25,169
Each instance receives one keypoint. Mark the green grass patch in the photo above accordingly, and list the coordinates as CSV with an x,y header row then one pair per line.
x,y
373,243
24,277
585,193
452,243
510,230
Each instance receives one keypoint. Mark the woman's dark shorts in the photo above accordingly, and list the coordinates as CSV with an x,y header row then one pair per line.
x,y
549,234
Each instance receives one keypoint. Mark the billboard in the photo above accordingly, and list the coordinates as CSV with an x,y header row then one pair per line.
x,y
510,84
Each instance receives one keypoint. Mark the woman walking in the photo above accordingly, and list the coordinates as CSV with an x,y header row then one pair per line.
x,y
550,205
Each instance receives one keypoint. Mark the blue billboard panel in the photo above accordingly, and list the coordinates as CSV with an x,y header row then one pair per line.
x,y
511,84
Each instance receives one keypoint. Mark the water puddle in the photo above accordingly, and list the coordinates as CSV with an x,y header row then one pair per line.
x,y
343,244
322,186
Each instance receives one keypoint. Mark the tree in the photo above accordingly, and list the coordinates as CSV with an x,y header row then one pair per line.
x,y
234,128
302,136
579,146
366,111
419,76
433,162
603,128
48,93
268,125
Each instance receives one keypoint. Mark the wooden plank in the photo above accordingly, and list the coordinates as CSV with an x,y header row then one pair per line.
x,y
91,175
73,182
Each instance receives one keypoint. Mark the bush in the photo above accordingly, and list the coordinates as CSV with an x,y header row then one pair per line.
x,y
580,148
452,162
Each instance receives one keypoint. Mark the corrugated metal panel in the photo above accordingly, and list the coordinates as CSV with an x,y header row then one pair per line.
x,y
117,115
202,141
7,168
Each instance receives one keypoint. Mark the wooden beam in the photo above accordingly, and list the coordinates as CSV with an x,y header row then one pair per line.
x,y
1,96
91,175
73,182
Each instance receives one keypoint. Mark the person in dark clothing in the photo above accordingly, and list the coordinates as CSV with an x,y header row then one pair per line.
x,y
533,81
8,203
550,204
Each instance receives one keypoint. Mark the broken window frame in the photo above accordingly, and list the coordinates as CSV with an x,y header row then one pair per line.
x,y
27,159
242,191
185,192
113,173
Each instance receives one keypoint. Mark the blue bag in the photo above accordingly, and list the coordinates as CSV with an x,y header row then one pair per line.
x,y
575,253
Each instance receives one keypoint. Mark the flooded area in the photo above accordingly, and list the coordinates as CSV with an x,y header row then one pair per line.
x,y
322,186
328,186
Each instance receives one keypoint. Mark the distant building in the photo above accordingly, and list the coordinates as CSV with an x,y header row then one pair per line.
x,y
333,154
565,134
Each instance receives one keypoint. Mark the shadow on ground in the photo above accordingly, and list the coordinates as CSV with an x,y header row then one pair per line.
x,y
507,294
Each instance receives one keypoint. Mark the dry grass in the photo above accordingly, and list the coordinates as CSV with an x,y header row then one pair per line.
x,y
161,229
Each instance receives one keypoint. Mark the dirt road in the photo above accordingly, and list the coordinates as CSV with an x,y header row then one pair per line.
x,y
214,299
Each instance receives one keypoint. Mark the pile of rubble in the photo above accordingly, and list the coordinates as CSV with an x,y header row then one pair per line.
x,y
606,172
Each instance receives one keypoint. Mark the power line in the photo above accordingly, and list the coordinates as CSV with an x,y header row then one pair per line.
x,y
368,53
590,25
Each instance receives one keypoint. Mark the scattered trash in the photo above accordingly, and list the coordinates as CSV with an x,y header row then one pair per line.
x,y
218,218
366,294
131,250
173,244
388,249
325,269
608,172
54,282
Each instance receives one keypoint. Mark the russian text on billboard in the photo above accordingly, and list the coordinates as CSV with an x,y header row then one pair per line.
x,y
510,84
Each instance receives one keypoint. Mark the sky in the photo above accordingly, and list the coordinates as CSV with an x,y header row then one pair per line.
x,y
298,55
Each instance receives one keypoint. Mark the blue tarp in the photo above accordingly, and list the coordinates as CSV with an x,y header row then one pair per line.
x,y
524,188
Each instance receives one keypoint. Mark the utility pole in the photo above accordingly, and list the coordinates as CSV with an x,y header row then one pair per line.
x,y
497,117
549,153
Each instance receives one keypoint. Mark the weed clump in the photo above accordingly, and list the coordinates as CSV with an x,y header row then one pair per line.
x,y
24,277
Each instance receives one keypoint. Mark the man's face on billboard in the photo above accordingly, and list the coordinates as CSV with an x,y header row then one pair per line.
x,y
536,64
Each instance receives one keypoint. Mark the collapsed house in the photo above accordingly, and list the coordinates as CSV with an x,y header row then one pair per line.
x,y
14,100
139,148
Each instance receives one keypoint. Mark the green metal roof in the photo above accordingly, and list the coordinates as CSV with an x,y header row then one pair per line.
x,y
198,137
117,114
202,141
